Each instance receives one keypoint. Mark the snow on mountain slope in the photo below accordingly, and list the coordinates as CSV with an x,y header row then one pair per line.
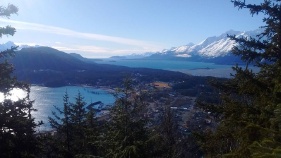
x,y
136,56
217,48
211,47
6,46
182,48
10,44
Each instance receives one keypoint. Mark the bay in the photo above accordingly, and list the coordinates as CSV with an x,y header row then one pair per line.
x,y
188,67
45,98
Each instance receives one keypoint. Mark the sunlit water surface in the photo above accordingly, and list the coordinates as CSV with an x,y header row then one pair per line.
x,y
45,98
188,67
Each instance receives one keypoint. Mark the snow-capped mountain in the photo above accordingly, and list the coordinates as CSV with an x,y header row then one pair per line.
x,y
211,47
6,46
215,49
135,55
9,44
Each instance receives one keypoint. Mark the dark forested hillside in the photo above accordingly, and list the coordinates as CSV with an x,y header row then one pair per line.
x,y
50,67
40,58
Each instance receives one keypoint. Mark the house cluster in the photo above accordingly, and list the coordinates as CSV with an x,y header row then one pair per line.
x,y
160,95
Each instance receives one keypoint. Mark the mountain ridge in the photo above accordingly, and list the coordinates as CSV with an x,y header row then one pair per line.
x,y
215,49
52,68
211,47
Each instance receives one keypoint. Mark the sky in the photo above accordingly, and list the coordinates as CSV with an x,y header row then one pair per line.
x,y
104,28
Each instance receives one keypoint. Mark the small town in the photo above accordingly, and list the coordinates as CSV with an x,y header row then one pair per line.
x,y
186,114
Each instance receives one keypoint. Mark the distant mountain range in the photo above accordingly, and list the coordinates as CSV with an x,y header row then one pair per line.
x,y
211,47
9,44
216,49
50,67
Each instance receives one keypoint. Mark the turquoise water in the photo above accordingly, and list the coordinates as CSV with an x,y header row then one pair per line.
x,y
193,68
46,97
162,64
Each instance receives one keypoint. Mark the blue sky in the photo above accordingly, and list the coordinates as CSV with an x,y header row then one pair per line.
x,y
104,28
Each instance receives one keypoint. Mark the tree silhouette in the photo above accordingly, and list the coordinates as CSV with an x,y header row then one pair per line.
x,y
75,129
127,135
249,113
17,126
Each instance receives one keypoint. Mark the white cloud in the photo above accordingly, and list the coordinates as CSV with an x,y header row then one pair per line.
x,y
87,51
96,52
110,45
79,48
67,32
29,44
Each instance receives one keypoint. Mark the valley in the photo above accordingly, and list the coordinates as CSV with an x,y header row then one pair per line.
x,y
49,67
54,70
122,79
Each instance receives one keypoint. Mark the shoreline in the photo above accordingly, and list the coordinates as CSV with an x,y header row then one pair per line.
x,y
105,88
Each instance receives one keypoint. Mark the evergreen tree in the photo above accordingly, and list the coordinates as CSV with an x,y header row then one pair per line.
x,y
166,136
168,141
75,129
17,126
249,113
127,134
60,142
92,131
78,124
